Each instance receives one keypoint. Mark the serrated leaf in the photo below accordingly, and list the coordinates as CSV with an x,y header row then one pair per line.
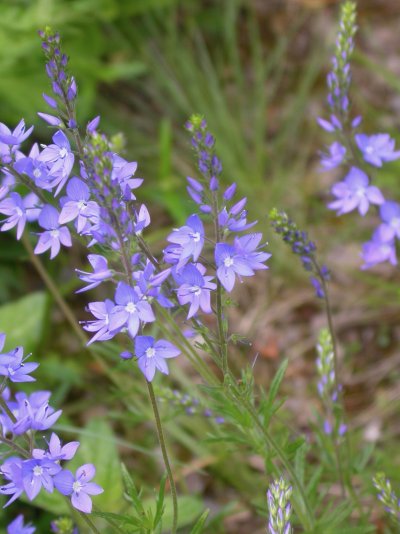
x,y
22,319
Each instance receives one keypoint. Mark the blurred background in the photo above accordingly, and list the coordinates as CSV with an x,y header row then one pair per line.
x,y
256,70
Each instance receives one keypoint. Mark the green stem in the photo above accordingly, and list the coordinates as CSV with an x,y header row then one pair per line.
x,y
165,456
89,523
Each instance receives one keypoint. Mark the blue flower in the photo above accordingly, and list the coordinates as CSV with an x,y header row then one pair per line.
x,y
130,310
79,486
335,157
195,289
77,205
151,355
17,526
37,474
100,273
13,367
101,325
390,215
189,239
355,192
377,148
378,250
60,159
55,235
16,209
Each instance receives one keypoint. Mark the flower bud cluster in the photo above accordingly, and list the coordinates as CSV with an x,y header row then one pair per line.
x,y
191,405
387,496
279,507
302,246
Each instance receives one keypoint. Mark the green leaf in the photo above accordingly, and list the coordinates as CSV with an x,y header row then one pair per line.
x,y
268,407
189,508
22,320
198,527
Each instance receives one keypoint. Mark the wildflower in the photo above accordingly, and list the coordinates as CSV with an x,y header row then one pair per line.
x,y
100,273
387,495
56,451
11,470
17,136
377,148
195,289
13,367
34,412
335,157
17,526
355,192
101,325
77,205
59,158
78,487
390,215
189,238
379,249
55,235
16,210
151,355
242,259
129,310
37,474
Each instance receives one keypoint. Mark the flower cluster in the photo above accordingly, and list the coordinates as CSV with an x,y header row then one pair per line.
x,y
328,388
387,496
279,507
358,152
30,470
302,246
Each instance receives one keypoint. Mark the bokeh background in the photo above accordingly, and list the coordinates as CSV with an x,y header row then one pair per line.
x,y
256,70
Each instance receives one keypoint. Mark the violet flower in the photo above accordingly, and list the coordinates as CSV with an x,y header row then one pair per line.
x,y
55,235
101,325
60,160
335,157
77,205
151,355
195,289
377,149
390,215
378,250
130,310
100,273
56,451
78,487
37,474
13,367
190,239
355,192
17,526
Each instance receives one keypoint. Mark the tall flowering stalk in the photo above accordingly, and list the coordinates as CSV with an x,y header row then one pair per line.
x,y
359,153
279,507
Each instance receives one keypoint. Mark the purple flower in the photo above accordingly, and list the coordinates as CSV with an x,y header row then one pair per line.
x,y
60,160
37,474
235,219
79,487
76,205
195,289
17,136
335,157
242,259
331,126
34,412
122,172
13,367
390,215
17,526
15,208
35,169
190,239
55,235
100,273
377,148
102,312
378,250
151,355
355,192
55,451
11,470
130,310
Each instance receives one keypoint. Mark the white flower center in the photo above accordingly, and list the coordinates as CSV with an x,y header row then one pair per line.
x,y
82,205
150,352
37,471
395,223
369,149
63,152
130,307
196,237
37,173
228,261
196,290
54,234
76,486
18,211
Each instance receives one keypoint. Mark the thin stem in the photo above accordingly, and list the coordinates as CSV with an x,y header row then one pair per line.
x,y
52,287
89,522
165,456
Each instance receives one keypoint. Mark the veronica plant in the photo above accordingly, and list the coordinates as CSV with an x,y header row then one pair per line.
x,y
358,153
